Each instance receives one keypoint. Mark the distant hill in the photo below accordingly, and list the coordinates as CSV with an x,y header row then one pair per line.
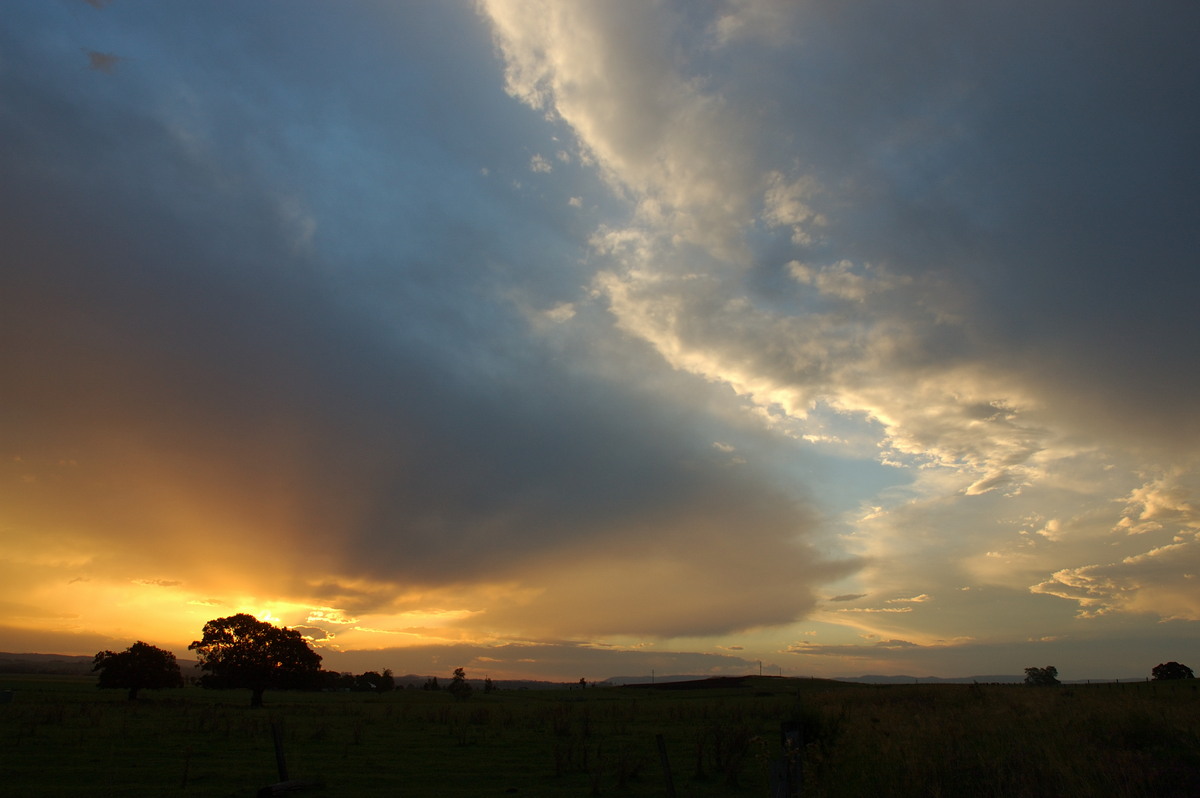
x,y
410,680
869,679
875,679
62,664
66,664
620,680
1005,679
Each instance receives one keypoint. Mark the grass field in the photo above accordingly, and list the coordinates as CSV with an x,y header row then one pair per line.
x,y
60,736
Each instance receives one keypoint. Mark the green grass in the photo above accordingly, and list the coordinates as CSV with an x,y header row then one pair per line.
x,y
62,736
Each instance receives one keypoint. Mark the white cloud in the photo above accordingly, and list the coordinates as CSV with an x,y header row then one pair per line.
x,y
788,204
919,599
862,358
657,136
1161,580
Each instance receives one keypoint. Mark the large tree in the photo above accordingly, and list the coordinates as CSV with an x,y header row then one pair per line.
x,y
243,652
1171,670
139,667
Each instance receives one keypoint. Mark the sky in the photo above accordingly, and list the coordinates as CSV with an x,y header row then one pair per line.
x,y
605,338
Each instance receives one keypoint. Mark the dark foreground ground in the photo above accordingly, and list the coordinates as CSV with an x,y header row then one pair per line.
x,y
60,736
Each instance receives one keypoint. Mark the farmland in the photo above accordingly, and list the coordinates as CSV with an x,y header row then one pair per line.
x,y
62,736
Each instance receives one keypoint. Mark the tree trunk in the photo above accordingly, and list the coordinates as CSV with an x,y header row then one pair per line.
x,y
256,696
133,691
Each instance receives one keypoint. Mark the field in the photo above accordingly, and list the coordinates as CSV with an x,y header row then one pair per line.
x,y
60,736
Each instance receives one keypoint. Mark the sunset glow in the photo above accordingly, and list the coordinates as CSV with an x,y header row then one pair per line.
x,y
560,339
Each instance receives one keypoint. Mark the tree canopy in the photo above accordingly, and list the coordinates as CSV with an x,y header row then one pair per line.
x,y
1171,670
243,652
459,687
139,667
1042,677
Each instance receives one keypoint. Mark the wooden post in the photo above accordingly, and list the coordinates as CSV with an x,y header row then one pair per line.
x,y
666,765
284,785
187,760
787,774
280,762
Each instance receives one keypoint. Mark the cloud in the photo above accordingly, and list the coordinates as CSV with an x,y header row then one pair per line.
x,y
938,110
603,70
1159,580
312,632
356,408
852,652
754,20
923,274
921,599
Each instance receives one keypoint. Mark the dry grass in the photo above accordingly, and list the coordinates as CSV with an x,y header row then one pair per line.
x,y
63,737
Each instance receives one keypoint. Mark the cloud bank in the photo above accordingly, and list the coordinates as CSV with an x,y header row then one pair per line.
x,y
620,323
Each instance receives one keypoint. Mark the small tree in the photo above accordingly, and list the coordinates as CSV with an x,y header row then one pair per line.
x,y
367,682
1171,670
431,684
459,688
243,652
376,682
1042,677
139,667
488,685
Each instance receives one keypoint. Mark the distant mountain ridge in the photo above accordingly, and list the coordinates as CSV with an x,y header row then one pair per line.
x,y
58,664
868,679
874,679
66,664
75,665
878,679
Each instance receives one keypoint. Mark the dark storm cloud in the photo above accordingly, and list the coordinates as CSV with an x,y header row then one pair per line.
x,y
1039,156
331,372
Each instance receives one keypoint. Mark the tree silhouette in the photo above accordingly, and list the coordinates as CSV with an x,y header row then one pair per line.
x,y
1042,677
375,681
459,688
1171,670
243,652
139,667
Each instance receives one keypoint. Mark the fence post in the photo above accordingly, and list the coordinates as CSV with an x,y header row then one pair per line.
x,y
787,774
280,762
666,765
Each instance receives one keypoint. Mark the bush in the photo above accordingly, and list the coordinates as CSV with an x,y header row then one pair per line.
x,y
1042,677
